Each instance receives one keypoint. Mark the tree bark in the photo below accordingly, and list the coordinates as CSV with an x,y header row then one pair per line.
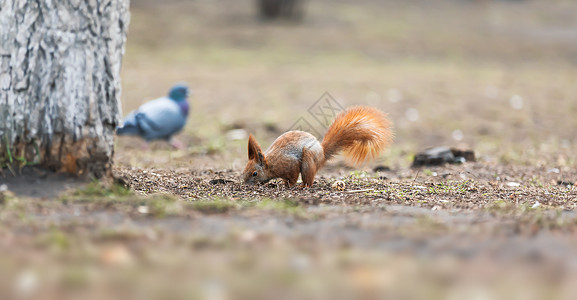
x,y
274,9
60,82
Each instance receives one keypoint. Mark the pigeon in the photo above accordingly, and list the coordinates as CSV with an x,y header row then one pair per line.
x,y
159,119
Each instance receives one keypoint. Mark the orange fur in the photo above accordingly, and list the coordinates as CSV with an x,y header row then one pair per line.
x,y
360,132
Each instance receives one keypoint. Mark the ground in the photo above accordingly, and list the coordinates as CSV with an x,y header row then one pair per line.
x,y
496,77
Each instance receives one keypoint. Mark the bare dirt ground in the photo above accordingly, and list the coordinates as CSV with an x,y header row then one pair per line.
x,y
494,76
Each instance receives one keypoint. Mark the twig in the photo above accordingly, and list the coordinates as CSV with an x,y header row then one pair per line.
x,y
412,183
360,191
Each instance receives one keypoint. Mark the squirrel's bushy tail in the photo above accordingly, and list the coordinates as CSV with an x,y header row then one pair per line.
x,y
360,132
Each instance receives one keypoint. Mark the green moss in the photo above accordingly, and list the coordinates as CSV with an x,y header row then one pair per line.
x,y
283,205
161,205
213,206
97,189
54,239
75,277
449,187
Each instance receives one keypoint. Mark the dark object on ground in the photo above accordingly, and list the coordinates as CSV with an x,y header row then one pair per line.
x,y
381,168
565,183
122,181
440,155
276,9
220,181
468,155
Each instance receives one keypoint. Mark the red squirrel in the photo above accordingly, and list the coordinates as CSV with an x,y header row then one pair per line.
x,y
360,132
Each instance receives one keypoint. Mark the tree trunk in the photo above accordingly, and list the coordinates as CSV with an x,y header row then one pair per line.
x,y
274,9
60,82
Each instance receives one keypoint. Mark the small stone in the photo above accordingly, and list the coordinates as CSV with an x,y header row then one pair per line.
x,y
513,184
457,135
381,169
459,160
220,181
516,102
143,209
412,114
553,170
248,236
537,204
26,283
339,185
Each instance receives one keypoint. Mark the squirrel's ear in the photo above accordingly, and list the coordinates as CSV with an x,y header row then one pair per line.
x,y
254,150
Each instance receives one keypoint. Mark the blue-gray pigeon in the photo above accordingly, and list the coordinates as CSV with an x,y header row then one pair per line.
x,y
159,119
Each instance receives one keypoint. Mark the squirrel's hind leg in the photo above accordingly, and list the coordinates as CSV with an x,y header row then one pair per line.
x,y
291,180
308,167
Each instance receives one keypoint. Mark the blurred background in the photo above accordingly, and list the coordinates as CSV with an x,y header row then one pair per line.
x,y
494,75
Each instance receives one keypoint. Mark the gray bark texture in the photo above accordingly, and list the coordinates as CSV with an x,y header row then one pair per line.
x,y
275,9
60,82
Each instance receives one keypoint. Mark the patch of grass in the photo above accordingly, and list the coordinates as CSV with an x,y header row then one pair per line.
x,y
359,174
118,197
449,187
9,204
428,223
114,234
535,181
5,198
213,206
9,160
281,205
500,205
219,206
97,189
508,208
162,205
428,172
284,206
531,218
76,277
54,239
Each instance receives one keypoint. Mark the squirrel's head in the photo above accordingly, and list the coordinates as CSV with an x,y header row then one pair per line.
x,y
255,170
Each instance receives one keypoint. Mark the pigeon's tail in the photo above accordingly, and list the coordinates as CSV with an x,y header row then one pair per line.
x,y
130,126
128,129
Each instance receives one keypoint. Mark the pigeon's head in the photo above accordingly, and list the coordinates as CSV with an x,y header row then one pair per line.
x,y
178,93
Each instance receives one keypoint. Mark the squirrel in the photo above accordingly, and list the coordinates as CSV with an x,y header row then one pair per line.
x,y
360,132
